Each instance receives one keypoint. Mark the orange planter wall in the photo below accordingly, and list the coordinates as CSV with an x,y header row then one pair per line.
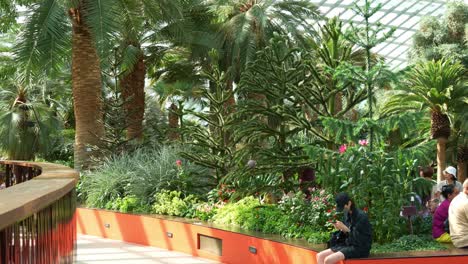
x,y
152,231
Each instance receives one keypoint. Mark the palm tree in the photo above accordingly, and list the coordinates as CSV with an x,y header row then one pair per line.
x,y
26,127
436,86
160,20
246,26
178,82
27,116
84,26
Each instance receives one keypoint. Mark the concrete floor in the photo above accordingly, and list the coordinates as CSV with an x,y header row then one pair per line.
x,y
94,250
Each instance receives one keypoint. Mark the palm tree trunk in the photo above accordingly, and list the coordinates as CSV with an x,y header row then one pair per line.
x,y
86,86
133,92
441,145
461,171
462,157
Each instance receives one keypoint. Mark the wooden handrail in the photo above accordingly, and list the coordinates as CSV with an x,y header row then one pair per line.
x,y
22,200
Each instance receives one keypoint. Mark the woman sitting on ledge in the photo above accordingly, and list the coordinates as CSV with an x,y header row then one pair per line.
x,y
439,232
356,225
458,218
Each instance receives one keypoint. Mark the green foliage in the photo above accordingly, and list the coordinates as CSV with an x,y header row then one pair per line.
x,y
422,225
314,213
143,173
436,85
270,114
214,146
205,211
178,82
367,37
128,204
45,41
378,180
172,203
442,38
244,27
333,52
234,213
408,243
244,182
390,133
27,127
115,119
294,216
106,184
61,151
423,187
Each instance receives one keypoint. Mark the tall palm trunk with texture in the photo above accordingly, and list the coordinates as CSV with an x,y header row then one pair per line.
x,y
133,92
441,148
462,157
86,86
440,130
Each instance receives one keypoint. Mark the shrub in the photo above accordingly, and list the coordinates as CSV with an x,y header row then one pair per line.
x,y
172,203
377,180
409,243
205,211
235,213
142,174
315,212
156,170
128,204
250,214
100,188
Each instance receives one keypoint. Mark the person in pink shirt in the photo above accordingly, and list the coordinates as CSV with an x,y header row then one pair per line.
x,y
441,215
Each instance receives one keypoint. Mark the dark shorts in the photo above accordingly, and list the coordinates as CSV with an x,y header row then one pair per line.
x,y
350,252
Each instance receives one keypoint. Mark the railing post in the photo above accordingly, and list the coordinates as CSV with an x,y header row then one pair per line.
x,y
3,247
8,176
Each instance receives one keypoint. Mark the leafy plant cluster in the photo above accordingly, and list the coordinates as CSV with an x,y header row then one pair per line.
x,y
171,203
380,181
293,216
142,174
409,243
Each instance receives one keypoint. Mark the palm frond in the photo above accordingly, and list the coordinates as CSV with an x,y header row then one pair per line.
x,y
101,16
45,41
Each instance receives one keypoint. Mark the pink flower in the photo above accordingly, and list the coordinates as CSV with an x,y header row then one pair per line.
x,y
178,163
363,142
343,148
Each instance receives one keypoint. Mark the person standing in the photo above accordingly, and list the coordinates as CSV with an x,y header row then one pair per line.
x,y
356,225
458,218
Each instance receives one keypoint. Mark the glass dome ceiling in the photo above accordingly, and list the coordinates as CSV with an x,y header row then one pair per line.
x,y
402,14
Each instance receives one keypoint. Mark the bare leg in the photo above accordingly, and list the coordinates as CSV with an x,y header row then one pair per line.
x,y
322,255
334,258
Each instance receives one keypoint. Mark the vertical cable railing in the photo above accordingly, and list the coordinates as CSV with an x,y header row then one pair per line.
x,y
46,235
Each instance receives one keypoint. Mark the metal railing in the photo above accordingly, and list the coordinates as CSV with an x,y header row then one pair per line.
x,y
37,213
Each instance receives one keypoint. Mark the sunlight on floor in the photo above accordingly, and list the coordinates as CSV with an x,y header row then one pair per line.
x,y
94,250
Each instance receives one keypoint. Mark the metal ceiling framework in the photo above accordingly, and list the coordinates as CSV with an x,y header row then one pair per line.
x,y
402,14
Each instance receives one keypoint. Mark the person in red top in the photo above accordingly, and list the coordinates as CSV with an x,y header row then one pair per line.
x,y
441,215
